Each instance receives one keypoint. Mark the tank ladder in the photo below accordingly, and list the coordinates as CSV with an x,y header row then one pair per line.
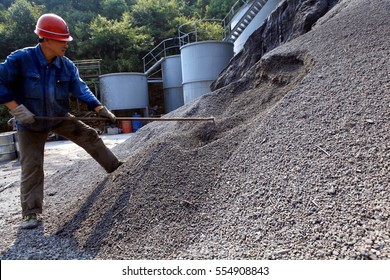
x,y
245,20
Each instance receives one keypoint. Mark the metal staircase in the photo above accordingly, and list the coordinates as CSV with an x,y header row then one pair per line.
x,y
153,59
245,20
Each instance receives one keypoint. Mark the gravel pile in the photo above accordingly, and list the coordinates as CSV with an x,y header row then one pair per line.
x,y
296,165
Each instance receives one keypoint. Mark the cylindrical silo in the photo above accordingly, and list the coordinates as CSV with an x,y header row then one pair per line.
x,y
7,146
122,91
254,24
172,83
201,63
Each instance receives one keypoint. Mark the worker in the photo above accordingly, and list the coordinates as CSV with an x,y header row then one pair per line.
x,y
37,81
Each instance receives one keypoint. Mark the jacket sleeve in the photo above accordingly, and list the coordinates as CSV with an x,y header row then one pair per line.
x,y
8,70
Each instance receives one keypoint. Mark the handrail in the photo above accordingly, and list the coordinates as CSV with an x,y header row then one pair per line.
x,y
192,35
185,38
161,51
93,63
245,19
86,66
233,10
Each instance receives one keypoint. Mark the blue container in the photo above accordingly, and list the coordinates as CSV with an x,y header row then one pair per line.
x,y
136,124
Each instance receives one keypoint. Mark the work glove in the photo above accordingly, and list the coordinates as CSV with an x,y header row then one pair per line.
x,y
22,114
105,113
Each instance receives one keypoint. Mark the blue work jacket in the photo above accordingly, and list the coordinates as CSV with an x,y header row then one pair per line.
x,y
44,88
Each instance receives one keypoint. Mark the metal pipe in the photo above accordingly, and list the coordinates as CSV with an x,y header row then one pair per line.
x,y
141,119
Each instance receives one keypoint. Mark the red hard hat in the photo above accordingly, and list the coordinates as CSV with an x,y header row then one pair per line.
x,y
53,27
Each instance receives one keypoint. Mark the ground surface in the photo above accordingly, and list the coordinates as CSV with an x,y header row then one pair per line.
x,y
296,165
59,155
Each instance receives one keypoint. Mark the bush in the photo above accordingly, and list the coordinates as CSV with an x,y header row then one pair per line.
x,y
4,117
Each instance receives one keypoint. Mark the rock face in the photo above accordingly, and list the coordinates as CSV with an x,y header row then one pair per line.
x,y
295,166
291,19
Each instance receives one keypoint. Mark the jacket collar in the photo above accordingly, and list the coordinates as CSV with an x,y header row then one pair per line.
x,y
42,60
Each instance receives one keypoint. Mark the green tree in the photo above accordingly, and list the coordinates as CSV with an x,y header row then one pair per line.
x,y
198,8
55,6
18,30
117,43
218,9
195,30
79,27
114,9
90,5
158,18
5,4
4,117
155,20
3,34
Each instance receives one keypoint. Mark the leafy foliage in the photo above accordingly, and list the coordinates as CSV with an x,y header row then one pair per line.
x,y
217,9
20,16
118,31
4,117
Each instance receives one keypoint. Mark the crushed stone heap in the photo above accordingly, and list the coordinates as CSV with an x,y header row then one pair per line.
x,y
296,165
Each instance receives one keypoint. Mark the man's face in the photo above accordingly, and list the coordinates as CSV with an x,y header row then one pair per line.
x,y
57,48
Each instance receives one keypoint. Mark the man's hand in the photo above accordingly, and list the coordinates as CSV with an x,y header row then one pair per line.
x,y
105,113
22,114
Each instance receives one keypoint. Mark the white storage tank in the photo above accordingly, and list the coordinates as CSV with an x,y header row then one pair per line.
x,y
201,63
7,146
254,24
172,83
122,91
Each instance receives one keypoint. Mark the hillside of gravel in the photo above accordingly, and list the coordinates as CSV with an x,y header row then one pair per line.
x,y
295,166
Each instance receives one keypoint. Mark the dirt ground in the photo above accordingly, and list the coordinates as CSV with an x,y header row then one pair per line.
x,y
58,155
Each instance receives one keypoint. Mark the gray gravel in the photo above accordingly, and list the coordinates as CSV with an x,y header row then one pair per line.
x,y
296,165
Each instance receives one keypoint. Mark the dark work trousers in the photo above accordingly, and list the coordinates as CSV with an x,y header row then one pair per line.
x,y
32,146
